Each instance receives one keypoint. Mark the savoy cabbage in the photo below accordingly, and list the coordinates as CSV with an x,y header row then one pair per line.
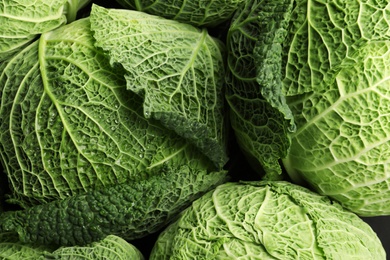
x,y
267,220
177,68
112,124
337,90
69,125
130,210
258,112
316,72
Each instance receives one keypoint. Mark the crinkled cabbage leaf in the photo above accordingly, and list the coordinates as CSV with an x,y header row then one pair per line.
x,y
259,114
131,210
337,79
323,35
294,76
267,220
195,12
68,124
111,247
342,146
177,68
22,21
12,249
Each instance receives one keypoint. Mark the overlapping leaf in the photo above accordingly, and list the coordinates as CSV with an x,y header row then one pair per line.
x,y
195,12
23,21
177,69
69,125
325,34
259,114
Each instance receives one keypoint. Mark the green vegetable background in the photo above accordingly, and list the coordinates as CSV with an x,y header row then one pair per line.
x,y
221,129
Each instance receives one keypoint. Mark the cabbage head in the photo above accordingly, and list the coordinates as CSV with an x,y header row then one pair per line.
x,y
69,125
267,220
338,91
317,73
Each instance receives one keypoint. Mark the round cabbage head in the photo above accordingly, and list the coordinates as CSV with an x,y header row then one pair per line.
x,y
341,146
337,85
309,83
267,220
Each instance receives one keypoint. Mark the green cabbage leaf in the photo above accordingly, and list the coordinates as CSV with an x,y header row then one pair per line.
x,y
307,94
196,12
342,150
336,83
12,249
324,35
259,114
22,21
68,124
111,247
131,210
177,68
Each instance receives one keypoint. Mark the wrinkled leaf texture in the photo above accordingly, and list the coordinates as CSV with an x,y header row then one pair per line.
x,y
68,124
259,114
130,210
196,12
177,68
336,80
22,21
111,247
267,220
12,249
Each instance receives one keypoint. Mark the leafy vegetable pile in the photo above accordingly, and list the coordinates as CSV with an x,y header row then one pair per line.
x,y
222,129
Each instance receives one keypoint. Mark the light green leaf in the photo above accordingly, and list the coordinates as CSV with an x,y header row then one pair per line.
x,y
342,144
12,249
325,34
267,220
111,247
